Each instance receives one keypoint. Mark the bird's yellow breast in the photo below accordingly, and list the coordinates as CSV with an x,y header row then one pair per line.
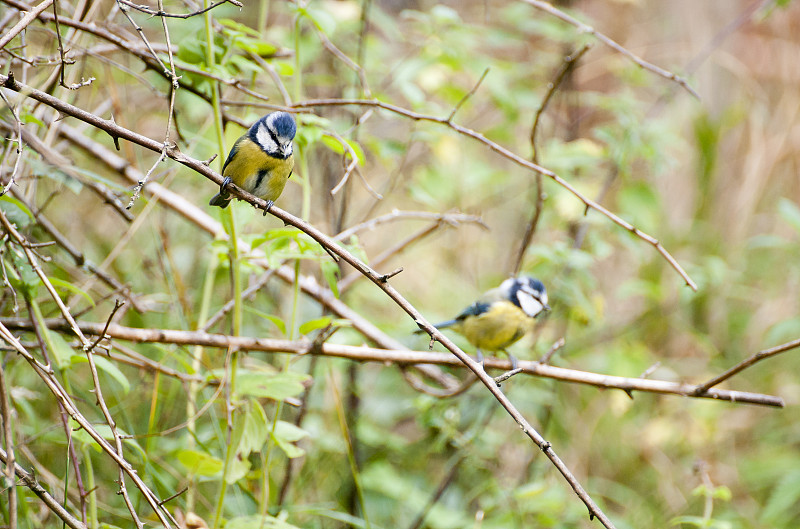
x,y
257,172
497,328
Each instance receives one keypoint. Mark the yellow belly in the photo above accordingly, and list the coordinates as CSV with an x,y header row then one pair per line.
x,y
495,329
257,172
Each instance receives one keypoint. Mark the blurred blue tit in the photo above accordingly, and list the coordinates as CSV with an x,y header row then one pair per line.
x,y
501,316
261,161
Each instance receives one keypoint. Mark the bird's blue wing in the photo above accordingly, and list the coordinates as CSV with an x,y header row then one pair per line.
x,y
231,154
476,309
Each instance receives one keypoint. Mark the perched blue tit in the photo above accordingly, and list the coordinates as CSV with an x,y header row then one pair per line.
x,y
501,316
261,161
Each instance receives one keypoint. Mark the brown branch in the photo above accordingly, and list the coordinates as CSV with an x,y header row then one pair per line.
x,y
308,285
87,348
567,66
453,219
47,375
589,203
761,355
120,132
585,28
29,17
161,13
398,357
63,59
29,480
6,411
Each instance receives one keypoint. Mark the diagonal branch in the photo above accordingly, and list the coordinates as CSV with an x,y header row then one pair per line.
x,y
584,28
519,160
738,368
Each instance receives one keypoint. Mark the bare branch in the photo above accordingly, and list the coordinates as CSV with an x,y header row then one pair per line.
x,y
738,368
161,13
584,28
567,66
398,357
29,480
589,203
29,17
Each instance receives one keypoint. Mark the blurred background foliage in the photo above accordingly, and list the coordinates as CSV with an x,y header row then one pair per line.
x,y
715,180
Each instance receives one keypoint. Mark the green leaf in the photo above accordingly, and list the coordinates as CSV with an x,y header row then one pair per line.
x,y
16,211
330,270
62,353
286,433
256,429
275,320
790,212
80,435
200,463
239,27
66,285
276,386
335,144
284,68
107,367
255,521
313,325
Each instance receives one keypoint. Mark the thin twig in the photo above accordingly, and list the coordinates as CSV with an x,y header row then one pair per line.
x,y
452,218
63,59
26,20
11,179
467,95
590,204
161,13
567,66
8,413
29,480
585,28
738,368
555,347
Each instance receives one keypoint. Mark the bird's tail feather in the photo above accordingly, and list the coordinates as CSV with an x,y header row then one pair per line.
x,y
442,325
220,200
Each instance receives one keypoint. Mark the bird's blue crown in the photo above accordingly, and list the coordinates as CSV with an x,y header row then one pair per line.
x,y
283,125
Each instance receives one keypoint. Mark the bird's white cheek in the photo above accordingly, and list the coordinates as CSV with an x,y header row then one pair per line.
x,y
529,304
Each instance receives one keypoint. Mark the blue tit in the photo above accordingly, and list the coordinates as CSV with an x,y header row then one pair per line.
x,y
501,316
261,161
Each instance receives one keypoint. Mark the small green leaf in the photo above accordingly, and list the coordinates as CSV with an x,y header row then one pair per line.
x,y
107,367
330,270
790,212
287,433
255,521
16,211
256,429
722,493
62,353
200,463
284,68
66,285
276,386
313,325
275,320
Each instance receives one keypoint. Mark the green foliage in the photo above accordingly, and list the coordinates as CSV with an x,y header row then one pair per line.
x,y
257,437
